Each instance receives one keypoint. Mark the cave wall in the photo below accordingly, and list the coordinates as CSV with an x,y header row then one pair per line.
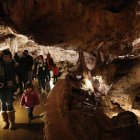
x,y
127,86
94,24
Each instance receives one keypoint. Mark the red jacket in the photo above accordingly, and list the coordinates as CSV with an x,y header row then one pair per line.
x,y
55,71
30,99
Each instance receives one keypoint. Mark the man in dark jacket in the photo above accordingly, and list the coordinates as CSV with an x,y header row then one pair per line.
x,y
29,64
25,69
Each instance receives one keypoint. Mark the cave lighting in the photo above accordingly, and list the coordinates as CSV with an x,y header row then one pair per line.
x,y
87,85
137,112
103,87
51,84
3,48
99,78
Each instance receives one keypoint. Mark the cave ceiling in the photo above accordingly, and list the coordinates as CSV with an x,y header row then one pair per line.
x,y
89,25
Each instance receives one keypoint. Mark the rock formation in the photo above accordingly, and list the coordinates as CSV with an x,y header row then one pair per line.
x,y
109,31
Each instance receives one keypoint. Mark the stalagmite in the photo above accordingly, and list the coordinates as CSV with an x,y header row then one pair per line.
x,y
70,108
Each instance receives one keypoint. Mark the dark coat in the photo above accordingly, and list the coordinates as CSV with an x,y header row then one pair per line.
x,y
8,72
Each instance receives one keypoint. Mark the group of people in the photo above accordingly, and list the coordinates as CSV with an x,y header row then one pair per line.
x,y
18,72
42,70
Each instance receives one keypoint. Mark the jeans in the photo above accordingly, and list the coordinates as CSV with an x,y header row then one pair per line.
x,y
6,97
42,82
54,79
23,78
30,112
48,76
30,76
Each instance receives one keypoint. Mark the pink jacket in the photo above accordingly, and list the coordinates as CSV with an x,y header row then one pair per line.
x,y
55,71
30,99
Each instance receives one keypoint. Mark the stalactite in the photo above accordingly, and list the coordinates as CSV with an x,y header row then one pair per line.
x,y
97,21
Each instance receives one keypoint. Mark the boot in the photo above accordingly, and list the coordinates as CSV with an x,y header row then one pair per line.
x,y
11,115
5,124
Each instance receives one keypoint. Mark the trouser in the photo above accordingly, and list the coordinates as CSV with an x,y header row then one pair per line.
x,y
8,113
30,76
41,81
48,76
30,112
54,79
22,85
23,78
6,97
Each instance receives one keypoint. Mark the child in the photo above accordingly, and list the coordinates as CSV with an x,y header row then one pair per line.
x,y
55,73
29,99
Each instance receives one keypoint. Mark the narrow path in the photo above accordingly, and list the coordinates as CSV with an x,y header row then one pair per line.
x,y
25,131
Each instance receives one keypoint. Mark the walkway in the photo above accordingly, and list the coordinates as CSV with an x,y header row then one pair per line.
x,y
25,131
